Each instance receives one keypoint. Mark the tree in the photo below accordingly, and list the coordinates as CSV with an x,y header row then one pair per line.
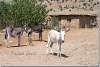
x,y
24,12
3,14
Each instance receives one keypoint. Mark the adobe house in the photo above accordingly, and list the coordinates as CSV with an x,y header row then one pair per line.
x,y
76,18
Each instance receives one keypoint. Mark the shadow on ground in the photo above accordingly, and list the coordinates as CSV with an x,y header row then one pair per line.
x,y
19,46
0,44
62,55
40,41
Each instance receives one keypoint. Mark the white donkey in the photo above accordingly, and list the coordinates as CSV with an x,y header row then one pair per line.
x,y
55,37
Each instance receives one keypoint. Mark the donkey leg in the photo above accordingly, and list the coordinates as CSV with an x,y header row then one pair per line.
x,y
47,47
51,44
19,40
59,50
30,39
7,40
7,43
40,36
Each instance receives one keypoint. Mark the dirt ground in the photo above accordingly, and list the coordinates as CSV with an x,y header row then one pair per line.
x,y
80,48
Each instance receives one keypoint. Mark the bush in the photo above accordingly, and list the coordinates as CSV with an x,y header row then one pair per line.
x,y
55,23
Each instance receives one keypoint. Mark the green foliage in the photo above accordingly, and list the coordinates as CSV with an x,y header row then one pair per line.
x,y
23,12
55,23
4,9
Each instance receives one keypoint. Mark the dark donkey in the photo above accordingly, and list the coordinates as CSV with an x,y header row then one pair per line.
x,y
12,32
37,29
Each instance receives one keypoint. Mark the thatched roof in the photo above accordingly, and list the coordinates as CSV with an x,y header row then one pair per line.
x,y
73,12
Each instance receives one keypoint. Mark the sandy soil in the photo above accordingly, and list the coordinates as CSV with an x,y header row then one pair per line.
x,y
80,48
